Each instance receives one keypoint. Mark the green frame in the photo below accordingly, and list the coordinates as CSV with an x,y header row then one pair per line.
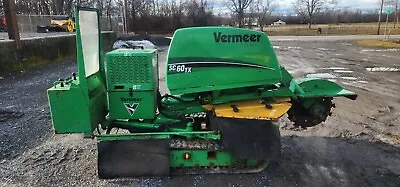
x,y
80,58
79,104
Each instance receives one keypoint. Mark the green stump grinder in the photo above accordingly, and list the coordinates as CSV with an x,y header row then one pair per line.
x,y
226,93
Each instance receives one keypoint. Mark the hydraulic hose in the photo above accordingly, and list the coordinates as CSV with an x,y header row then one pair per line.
x,y
160,107
177,98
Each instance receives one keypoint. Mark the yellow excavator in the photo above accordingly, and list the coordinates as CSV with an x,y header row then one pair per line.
x,y
59,24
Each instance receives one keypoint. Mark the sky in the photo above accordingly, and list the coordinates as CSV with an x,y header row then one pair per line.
x,y
362,4
286,6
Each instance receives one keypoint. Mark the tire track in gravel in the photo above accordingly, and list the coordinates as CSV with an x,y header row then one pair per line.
x,y
24,96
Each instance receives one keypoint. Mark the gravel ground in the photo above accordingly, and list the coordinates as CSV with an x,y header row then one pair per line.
x,y
357,146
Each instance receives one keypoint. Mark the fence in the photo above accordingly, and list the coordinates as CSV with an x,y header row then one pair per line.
x,y
28,23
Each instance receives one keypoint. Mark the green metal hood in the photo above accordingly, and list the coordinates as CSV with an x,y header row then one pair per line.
x,y
203,59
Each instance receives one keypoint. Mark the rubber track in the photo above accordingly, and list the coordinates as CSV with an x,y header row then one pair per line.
x,y
200,144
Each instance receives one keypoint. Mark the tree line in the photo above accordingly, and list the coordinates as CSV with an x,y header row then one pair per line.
x,y
345,15
168,15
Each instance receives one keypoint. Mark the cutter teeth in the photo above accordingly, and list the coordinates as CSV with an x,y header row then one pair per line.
x,y
303,118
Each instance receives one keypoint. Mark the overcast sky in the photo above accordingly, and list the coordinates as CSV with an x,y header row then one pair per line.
x,y
286,6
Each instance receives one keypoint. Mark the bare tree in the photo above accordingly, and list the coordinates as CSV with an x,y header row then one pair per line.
x,y
264,9
198,12
307,9
168,15
379,18
109,11
238,7
251,15
1,9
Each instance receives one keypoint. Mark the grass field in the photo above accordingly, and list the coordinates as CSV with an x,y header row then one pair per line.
x,y
332,29
379,43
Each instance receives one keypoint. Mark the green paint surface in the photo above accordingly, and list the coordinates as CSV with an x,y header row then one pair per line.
x,y
201,59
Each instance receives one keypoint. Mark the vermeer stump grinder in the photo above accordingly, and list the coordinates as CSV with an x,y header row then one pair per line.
x,y
226,94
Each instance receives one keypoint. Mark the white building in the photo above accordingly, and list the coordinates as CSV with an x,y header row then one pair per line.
x,y
279,22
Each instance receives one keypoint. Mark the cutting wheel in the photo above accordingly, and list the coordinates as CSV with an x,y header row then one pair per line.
x,y
314,115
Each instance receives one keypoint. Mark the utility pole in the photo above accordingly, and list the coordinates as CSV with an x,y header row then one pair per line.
x,y
122,19
125,16
11,20
396,14
387,18
379,19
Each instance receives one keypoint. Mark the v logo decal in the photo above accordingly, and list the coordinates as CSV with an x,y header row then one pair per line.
x,y
131,107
